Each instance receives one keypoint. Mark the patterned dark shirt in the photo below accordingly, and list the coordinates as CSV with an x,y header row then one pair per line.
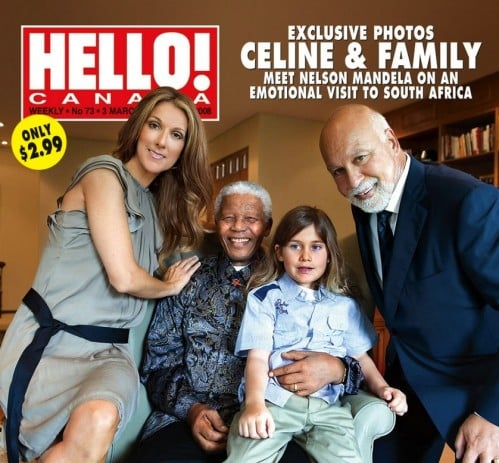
x,y
189,356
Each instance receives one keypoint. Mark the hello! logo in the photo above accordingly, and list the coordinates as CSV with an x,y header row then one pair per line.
x,y
101,72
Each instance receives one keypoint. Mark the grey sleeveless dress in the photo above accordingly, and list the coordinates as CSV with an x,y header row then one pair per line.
x,y
73,282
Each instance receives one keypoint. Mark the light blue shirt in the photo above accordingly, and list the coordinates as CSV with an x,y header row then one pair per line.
x,y
282,316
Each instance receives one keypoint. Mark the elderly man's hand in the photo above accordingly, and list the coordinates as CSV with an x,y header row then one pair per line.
x,y
208,428
477,441
309,371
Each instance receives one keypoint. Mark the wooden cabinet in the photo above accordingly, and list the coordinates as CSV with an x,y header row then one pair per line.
x,y
379,350
463,134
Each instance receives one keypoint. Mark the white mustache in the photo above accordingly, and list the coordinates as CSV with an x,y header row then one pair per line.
x,y
362,188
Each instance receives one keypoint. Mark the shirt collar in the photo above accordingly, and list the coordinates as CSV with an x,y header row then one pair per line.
x,y
291,288
396,198
226,270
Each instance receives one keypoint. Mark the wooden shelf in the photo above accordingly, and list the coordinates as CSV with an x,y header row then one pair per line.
x,y
427,126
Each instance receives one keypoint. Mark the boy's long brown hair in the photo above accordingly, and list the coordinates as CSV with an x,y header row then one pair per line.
x,y
293,222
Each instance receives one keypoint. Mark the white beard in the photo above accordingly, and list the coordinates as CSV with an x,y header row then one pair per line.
x,y
378,201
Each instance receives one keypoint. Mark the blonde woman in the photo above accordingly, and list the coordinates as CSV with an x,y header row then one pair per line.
x,y
94,280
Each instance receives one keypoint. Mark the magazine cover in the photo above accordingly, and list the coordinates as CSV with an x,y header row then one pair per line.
x,y
264,77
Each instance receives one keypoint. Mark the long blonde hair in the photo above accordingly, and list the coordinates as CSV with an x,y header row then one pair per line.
x,y
184,193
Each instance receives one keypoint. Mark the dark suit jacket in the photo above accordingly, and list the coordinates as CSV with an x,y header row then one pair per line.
x,y
441,294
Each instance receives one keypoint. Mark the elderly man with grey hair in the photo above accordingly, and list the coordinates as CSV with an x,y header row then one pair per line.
x,y
428,236
190,370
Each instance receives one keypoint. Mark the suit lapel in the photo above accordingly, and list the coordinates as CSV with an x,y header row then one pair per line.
x,y
364,238
410,222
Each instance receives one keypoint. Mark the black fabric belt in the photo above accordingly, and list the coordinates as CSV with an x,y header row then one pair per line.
x,y
31,356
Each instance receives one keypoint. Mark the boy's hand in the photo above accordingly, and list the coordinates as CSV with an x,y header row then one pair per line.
x,y
397,402
256,422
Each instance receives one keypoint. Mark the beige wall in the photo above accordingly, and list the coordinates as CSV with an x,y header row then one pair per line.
x,y
291,167
19,226
284,157
245,134
26,198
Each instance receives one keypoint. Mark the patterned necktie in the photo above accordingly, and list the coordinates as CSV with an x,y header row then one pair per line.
x,y
385,236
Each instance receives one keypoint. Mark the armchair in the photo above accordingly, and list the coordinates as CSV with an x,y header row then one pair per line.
x,y
372,417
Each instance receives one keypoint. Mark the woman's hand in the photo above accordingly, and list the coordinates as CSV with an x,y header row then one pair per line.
x,y
178,274
102,195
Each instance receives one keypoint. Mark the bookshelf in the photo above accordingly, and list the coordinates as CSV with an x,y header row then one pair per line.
x,y
463,134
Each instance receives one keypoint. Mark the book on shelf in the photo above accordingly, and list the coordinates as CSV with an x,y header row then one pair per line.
x,y
477,140
486,138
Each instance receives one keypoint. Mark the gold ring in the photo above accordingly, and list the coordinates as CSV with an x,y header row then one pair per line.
x,y
295,387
